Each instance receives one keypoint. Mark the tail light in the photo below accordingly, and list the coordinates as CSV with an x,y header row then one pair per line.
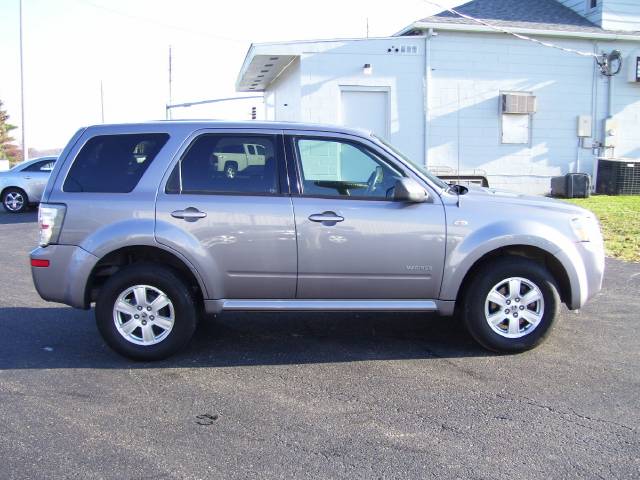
x,y
50,218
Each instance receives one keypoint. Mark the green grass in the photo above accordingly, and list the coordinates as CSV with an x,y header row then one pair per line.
x,y
620,220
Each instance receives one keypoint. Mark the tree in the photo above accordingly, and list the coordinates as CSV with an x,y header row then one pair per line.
x,y
7,148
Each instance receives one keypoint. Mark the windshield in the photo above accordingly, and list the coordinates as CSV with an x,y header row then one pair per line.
x,y
421,168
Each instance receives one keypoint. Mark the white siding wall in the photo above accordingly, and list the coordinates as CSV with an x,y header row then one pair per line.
x,y
326,66
480,67
621,15
282,100
609,14
626,103
583,8
468,73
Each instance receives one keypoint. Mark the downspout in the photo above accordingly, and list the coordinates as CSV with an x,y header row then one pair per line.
x,y
427,91
595,152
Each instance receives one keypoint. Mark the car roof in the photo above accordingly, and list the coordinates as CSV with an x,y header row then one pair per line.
x,y
249,124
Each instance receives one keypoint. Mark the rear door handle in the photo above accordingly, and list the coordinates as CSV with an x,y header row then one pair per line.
x,y
329,217
189,214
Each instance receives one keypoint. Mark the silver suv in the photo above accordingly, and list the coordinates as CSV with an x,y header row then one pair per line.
x,y
141,220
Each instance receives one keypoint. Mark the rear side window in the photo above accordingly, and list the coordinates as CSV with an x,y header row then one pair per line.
x,y
113,163
44,166
216,163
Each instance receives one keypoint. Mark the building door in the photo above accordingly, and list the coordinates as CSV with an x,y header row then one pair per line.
x,y
366,108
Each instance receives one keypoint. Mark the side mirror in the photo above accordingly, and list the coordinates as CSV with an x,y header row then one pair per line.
x,y
408,190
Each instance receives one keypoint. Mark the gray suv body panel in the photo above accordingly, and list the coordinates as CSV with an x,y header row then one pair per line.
x,y
265,248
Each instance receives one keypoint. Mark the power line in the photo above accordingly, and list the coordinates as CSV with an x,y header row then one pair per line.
x,y
161,24
498,28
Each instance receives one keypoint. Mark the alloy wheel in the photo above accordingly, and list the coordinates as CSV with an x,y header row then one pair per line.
x,y
143,315
514,307
14,201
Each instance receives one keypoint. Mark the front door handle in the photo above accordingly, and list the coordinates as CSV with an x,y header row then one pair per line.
x,y
329,217
190,214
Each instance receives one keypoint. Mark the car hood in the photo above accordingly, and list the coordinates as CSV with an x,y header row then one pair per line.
x,y
497,196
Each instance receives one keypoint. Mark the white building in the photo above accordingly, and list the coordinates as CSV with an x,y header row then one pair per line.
x,y
435,89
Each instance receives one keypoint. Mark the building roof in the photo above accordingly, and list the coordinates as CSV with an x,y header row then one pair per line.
x,y
547,15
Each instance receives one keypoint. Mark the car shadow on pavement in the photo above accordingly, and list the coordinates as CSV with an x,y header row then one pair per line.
x,y
31,216
34,338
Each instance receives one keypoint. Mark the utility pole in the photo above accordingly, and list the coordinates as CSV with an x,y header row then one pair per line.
x,y
367,27
25,149
168,110
101,102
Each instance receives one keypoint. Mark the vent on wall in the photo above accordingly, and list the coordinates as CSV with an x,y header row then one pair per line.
x,y
518,103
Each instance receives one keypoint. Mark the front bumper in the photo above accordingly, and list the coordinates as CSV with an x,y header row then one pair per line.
x,y
65,279
584,265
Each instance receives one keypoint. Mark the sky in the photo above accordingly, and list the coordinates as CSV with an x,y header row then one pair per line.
x,y
71,46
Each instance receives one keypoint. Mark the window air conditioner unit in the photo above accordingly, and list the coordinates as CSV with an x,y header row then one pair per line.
x,y
518,103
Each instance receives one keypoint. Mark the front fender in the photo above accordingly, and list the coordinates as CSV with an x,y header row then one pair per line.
x,y
465,249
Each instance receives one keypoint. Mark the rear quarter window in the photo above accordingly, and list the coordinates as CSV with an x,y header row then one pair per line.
x,y
113,163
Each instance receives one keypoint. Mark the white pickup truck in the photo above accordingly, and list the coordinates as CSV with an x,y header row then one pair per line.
x,y
236,158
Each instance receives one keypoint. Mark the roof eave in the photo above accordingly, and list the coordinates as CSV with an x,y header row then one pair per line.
x,y
247,61
462,27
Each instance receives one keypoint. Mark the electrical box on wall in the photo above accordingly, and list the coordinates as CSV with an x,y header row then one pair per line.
x,y
634,67
584,126
610,132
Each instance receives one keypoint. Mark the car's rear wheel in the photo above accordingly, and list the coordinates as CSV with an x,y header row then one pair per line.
x,y
511,304
231,169
146,312
15,200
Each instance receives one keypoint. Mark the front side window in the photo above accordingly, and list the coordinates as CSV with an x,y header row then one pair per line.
x,y
343,169
113,163
220,163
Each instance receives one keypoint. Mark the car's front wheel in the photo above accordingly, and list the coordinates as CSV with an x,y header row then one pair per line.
x,y
146,312
14,200
511,304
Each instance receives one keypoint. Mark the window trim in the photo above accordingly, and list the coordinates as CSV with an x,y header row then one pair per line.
x,y
281,176
294,137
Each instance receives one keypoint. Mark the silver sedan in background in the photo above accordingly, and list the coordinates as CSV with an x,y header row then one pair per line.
x,y
23,184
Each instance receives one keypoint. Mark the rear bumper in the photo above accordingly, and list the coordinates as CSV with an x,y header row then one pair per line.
x,y
65,279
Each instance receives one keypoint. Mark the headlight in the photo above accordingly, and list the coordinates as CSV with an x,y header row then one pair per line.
x,y
585,228
50,218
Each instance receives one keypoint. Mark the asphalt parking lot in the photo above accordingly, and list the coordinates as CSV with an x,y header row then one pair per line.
x,y
316,396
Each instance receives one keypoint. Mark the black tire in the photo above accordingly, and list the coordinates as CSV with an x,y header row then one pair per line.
x,y
6,195
481,285
164,279
231,169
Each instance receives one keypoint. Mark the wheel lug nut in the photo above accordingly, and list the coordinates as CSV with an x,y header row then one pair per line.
x,y
144,322
136,316
507,311
508,302
515,314
521,307
151,317
517,299
148,309
139,307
